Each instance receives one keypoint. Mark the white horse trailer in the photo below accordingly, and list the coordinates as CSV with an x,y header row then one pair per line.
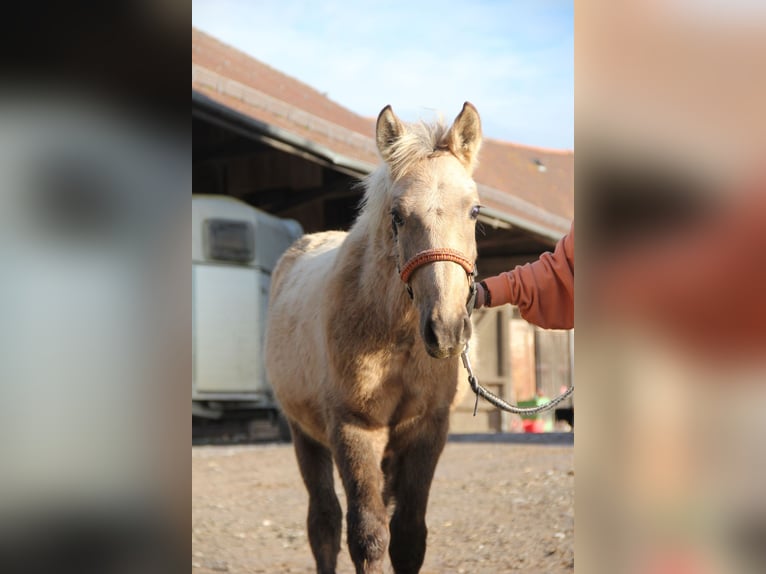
x,y
235,247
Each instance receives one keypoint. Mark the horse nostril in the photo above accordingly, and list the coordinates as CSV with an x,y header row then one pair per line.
x,y
429,334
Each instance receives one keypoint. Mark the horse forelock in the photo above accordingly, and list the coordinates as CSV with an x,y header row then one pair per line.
x,y
421,141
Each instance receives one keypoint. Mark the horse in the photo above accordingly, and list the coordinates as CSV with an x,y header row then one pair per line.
x,y
363,341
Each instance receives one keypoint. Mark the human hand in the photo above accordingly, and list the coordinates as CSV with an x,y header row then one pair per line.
x,y
481,297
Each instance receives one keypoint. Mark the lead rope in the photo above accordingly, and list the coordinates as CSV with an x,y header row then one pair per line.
x,y
493,399
489,396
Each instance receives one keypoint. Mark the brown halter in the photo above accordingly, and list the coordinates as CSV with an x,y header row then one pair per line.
x,y
432,256
429,256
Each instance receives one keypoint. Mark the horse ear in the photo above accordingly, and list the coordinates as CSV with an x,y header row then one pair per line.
x,y
464,137
388,130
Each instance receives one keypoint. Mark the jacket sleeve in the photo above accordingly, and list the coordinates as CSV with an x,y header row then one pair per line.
x,y
543,289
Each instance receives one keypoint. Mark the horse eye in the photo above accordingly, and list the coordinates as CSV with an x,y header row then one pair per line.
x,y
475,211
396,218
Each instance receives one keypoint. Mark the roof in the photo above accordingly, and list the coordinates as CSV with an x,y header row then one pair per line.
x,y
526,186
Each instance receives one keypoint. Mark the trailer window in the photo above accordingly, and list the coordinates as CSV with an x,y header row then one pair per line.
x,y
229,240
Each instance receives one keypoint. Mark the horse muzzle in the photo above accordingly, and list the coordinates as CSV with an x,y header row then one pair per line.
x,y
444,338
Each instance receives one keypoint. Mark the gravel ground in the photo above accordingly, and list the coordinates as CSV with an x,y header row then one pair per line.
x,y
498,504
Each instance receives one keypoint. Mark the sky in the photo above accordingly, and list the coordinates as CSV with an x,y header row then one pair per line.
x,y
512,59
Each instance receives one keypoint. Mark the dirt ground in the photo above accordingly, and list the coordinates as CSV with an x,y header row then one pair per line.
x,y
495,507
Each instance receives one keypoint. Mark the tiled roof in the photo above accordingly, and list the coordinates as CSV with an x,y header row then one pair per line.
x,y
530,185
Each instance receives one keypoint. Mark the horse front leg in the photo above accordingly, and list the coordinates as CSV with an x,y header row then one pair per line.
x,y
409,486
325,516
358,452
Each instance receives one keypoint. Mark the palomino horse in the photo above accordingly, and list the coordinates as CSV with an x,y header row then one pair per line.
x,y
363,340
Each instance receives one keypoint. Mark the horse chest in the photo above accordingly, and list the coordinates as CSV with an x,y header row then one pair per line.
x,y
396,385
409,409
418,392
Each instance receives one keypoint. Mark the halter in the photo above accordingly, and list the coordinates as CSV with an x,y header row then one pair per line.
x,y
428,256
432,256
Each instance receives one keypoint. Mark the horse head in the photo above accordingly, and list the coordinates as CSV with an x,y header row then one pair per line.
x,y
433,207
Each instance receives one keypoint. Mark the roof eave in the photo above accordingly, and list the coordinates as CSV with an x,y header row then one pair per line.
x,y
551,227
248,126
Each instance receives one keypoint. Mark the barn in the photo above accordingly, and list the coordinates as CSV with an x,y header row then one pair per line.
x,y
285,148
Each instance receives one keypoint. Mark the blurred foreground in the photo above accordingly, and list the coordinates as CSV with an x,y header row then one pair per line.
x,y
671,314
94,297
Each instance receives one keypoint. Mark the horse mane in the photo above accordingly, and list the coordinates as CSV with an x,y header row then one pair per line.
x,y
420,141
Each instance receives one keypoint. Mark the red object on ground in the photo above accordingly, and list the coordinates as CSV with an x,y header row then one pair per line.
x,y
533,425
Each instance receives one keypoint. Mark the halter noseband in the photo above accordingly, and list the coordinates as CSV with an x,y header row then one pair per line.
x,y
429,256
432,256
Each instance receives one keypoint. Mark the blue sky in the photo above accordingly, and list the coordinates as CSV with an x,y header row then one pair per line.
x,y
512,59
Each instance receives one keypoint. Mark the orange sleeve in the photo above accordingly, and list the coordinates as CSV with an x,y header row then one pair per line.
x,y
543,289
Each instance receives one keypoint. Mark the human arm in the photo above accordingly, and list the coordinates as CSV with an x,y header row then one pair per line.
x,y
543,289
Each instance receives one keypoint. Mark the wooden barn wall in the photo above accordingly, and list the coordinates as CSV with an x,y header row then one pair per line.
x,y
553,361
